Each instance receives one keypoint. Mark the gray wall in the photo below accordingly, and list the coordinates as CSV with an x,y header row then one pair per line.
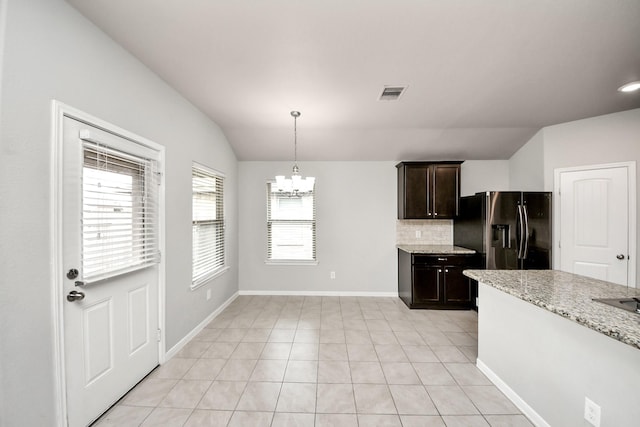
x,y
52,52
526,166
356,229
484,175
604,139
356,217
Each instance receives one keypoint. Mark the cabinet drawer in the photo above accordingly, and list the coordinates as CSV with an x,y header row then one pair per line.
x,y
442,260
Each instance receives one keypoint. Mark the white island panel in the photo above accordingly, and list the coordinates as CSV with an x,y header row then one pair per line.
x,y
547,364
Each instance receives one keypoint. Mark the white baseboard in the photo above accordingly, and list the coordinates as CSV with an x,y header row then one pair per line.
x,y
176,348
527,410
321,293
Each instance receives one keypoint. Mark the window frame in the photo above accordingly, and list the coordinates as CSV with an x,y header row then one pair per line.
x,y
213,272
313,221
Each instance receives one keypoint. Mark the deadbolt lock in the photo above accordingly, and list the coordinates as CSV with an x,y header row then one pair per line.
x,y
72,274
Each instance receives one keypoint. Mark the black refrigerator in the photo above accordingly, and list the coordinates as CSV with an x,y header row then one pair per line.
x,y
510,229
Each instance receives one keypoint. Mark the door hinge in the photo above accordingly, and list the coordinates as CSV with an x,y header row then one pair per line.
x,y
159,335
159,256
159,178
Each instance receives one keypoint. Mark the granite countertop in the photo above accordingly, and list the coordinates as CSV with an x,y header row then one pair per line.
x,y
569,295
435,249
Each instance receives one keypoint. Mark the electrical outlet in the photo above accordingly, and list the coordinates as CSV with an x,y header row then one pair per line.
x,y
332,275
591,412
208,294
418,234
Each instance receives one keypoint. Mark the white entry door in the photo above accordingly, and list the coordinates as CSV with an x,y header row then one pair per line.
x,y
110,239
594,223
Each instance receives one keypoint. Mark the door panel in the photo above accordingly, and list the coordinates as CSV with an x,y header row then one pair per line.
x,y
446,191
138,318
594,223
97,326
109,334
457,286
539,243
416,192
426,284
501,216
591,269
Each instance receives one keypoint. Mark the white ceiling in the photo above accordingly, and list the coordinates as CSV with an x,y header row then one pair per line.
x,y
483,75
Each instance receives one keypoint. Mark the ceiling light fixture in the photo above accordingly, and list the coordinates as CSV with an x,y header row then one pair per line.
x,y
629,87
296,184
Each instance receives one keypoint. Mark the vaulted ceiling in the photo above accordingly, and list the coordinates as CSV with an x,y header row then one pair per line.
x,y
482,76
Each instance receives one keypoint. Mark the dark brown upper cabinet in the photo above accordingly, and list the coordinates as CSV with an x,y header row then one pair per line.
x,y
428,190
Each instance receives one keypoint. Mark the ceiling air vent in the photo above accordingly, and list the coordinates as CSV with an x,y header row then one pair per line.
x,y
391,93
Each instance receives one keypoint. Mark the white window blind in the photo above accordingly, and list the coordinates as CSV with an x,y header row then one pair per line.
x,y
291,225
119,212
208,224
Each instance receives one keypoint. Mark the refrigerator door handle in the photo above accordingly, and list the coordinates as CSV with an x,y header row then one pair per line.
x,y
525,246
520,234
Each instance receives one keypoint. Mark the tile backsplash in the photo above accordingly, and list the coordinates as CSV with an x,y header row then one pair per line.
x,y
431,231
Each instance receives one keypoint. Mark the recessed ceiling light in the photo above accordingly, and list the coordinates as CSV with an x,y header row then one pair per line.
x,y
629,87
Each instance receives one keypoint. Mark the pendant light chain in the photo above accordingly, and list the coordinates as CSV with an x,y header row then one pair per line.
x,y
295,115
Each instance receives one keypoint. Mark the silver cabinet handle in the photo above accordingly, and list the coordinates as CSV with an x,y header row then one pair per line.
x,y
446,271
439,271
442,259
620,256
435,213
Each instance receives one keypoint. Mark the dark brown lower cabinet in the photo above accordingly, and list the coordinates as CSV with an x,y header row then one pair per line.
x,y
436,281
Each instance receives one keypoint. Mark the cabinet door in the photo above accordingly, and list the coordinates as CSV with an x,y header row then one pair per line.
x,y
446,191
426,284
457,287
416,192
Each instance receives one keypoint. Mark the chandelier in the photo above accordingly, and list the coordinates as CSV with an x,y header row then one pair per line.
x,y
296,184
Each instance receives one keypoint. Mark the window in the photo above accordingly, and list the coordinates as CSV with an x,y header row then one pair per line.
x,y
208,224
291,226
119,212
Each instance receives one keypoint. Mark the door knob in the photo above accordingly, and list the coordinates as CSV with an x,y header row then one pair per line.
x,y
620,256
75,296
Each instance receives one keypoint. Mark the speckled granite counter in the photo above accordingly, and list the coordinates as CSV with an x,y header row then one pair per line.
x,y
569,296
435,249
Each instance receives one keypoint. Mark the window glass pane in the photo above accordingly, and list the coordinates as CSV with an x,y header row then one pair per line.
x,y
119,201
208,224
292,240
291,227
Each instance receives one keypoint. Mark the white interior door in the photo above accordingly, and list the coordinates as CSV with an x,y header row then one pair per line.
x,y
108,234
594,228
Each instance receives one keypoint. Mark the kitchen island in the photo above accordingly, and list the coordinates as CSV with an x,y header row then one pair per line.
x,y
547,345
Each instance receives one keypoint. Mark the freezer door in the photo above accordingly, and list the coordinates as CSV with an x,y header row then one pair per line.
x,y
502,244
538,251
468,228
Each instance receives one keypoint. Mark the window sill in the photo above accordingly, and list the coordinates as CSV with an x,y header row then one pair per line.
x,y
290,262
205,280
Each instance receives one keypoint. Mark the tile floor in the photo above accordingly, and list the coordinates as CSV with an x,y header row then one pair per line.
x,y
322,361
